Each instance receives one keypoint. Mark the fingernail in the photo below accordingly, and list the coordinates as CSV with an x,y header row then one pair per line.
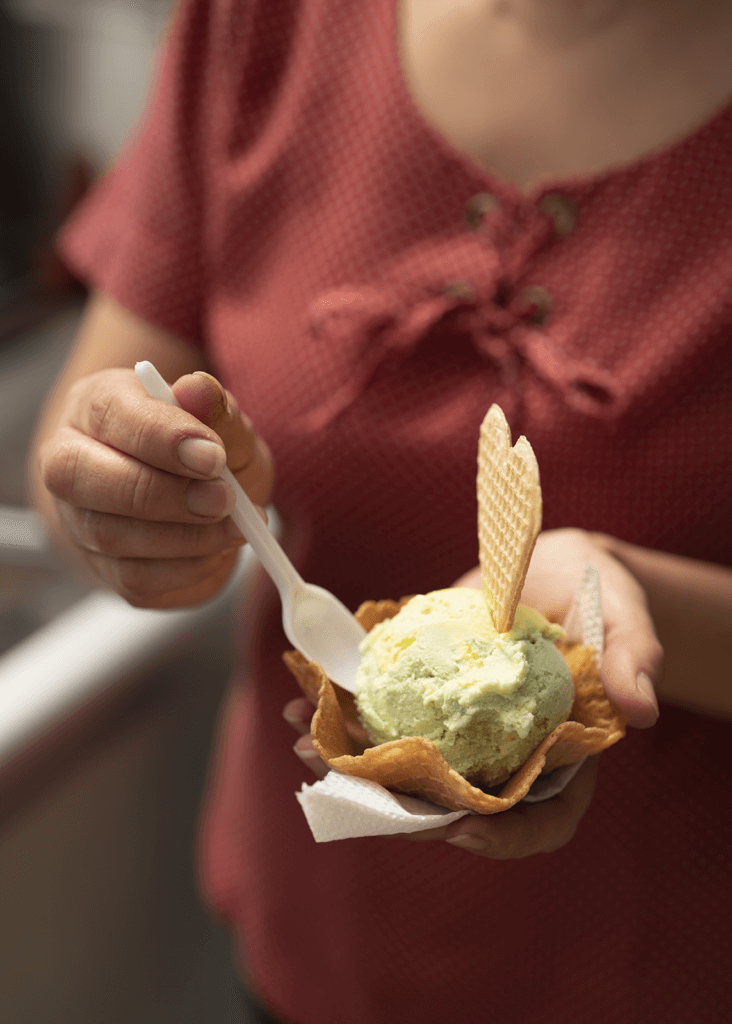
x,y
293,719
213,498
469,841
644,686
202,456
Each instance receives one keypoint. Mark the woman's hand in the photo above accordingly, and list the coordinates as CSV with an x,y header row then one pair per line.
x,y
133,483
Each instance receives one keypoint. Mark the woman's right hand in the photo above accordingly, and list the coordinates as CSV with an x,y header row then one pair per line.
x,y
133,484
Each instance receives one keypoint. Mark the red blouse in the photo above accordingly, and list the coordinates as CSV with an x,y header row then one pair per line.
x,y
366,292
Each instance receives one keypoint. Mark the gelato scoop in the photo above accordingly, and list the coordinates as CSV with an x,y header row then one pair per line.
x,y
440,670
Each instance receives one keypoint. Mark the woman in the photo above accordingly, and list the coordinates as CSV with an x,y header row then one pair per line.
x,y
370,222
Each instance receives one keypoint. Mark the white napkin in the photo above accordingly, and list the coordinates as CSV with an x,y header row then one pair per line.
x,y
344,807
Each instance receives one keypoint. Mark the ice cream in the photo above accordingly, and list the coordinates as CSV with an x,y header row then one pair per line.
x,y
440,670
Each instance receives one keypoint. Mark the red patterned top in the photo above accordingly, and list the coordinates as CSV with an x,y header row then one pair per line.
x,y
366,292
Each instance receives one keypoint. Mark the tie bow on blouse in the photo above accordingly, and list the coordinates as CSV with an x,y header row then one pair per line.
x,y
470,287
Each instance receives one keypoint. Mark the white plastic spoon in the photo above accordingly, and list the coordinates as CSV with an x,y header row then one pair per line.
x,y
315,622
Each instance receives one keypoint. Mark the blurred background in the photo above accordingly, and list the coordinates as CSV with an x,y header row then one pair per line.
x,y
73,78
107,713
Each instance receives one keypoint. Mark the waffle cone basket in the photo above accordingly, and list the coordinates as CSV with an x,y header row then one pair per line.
x,y
415,766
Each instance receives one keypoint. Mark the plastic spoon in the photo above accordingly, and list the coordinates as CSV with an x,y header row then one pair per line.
x,y
315,622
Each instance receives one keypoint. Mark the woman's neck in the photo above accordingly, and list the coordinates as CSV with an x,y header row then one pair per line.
x,y
529,106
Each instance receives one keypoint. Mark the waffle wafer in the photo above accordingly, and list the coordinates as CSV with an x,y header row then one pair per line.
x,y
509,515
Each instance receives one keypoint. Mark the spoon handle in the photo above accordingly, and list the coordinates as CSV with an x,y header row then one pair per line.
x,y
244,514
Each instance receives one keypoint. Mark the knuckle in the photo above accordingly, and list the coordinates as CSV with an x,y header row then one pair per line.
x,y
76,520
140,492
188,596
100,532
104,568
113,418
204,538
144,430
656,655
132,576
99,413
232,406
59,468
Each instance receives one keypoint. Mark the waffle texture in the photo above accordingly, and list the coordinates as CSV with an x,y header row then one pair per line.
x,y
509,515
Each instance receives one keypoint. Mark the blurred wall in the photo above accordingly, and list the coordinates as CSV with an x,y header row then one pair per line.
x,y
93,67
74,75
99,917
21,170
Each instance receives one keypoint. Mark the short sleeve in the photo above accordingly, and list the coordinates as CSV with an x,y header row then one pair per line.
x,y
137,236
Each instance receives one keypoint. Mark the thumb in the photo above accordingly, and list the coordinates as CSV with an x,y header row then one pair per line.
x,y
247,455
633,657
631,661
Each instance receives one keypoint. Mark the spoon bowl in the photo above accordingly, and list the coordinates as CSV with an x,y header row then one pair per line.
x,y
323,630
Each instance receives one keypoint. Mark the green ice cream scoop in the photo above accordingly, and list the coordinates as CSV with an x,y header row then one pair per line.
x,y
439,669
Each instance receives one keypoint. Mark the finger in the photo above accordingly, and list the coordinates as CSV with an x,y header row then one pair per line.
x,y
298,713
631,661
187,596
248,457
307,754
427,835
114,409
527,829
118,536
84,472
143,580
633,656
